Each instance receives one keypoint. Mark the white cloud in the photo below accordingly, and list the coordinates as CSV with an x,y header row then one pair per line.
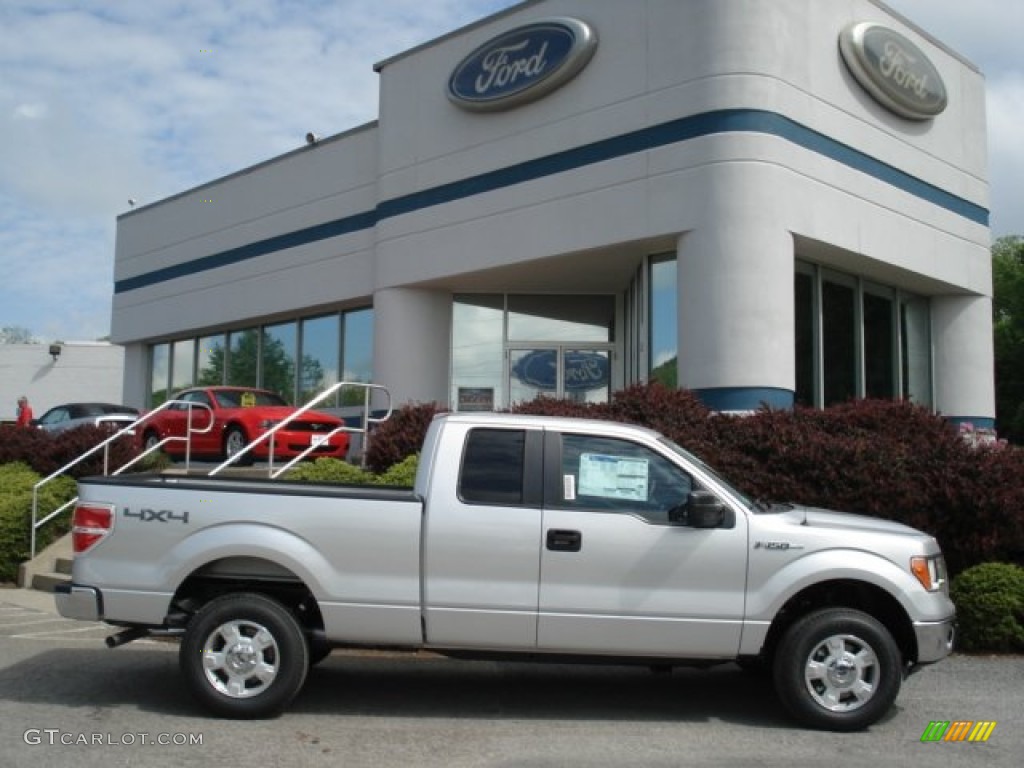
x,y
987,33
103,101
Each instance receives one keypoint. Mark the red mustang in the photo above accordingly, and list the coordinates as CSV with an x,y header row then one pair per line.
x,y
240,415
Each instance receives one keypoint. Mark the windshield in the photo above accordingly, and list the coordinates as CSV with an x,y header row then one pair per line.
x,y
743,499
247,398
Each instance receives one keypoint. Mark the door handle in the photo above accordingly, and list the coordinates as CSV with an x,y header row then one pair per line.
x,y
564,541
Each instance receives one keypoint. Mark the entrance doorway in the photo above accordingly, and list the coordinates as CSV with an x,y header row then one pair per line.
x,y
577,372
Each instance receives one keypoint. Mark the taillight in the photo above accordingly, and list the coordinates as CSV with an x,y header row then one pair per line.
x,y
91,522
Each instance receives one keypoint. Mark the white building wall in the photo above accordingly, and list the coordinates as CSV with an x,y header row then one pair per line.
x,y
84,372
809,173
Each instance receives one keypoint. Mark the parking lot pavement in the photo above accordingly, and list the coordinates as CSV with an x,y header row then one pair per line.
x,y
28,614
67,700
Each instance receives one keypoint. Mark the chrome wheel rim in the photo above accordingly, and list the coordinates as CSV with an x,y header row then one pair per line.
x,y
235,442
842,673
241,659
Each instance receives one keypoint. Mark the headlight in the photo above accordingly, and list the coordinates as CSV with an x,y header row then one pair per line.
x,y
269,423
931,572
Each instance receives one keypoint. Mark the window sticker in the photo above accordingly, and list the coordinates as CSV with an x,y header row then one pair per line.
x,y
569,487
248,399
613,477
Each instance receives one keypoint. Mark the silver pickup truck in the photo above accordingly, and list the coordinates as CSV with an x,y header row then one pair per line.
x,y
524,537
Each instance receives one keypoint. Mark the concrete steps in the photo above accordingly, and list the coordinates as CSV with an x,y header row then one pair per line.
x,y
61,574
50,567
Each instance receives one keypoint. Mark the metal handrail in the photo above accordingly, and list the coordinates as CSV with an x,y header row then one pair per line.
x,y
269,434
105,445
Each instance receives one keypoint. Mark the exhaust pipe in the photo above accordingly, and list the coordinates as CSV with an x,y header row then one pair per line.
x,y
126,636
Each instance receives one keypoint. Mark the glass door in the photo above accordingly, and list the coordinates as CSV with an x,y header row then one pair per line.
x,y
581,373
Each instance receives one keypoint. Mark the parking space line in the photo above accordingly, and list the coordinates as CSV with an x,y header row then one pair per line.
x,y
52,620
60,631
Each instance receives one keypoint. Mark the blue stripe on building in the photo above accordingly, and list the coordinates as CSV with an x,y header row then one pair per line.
x,y
672,132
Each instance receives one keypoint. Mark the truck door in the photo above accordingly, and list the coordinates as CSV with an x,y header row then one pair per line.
x,y
618,575
481,560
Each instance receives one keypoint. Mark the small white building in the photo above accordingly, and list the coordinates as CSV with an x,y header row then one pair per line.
x,y
765,201
53,374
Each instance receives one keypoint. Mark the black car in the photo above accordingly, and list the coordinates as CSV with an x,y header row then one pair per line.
x,y
71,415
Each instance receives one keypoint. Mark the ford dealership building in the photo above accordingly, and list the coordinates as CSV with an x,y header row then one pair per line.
x,y
765,201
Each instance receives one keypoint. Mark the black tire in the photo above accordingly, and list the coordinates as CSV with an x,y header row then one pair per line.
x,y
319,649
244,656
837,669
756,666
234,441
149,439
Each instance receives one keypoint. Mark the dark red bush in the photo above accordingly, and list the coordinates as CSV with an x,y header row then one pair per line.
x,y
400,436
889,459
47,452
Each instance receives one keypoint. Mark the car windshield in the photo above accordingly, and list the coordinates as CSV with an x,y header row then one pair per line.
x,y
247,398
743,499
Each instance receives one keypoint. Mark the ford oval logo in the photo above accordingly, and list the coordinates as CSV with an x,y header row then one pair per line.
x,y
893,70
584,371
522,65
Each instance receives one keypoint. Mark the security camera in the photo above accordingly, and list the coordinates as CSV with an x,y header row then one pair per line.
x,y
312,138
131,201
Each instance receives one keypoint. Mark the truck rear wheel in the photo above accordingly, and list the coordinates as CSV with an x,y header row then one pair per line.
x,y
244,656
837,669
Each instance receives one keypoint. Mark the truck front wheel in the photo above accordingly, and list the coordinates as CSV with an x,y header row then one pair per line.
x,y
244,656
837,669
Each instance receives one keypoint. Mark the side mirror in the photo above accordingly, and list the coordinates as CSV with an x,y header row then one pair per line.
x,y
704,510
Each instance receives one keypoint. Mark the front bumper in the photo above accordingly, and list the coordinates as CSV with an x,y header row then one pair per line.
x,y
78,602
934,639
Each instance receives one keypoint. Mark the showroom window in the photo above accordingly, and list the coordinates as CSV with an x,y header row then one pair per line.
x,y
210,357
297,359
664,341
159,373
857,338
516,347
278,349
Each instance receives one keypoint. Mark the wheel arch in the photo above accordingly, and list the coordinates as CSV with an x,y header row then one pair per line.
x,y
846,593
245,573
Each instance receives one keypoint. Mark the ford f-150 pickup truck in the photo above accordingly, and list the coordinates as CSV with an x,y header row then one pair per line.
x,y
524,537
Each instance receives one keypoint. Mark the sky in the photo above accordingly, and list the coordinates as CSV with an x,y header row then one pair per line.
x,y
106,100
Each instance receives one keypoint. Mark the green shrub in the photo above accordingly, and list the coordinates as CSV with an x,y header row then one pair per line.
x,y
327,470
16,481
990,608
335,471
401,474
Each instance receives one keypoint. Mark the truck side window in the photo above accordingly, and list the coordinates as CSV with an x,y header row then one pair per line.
x,y
492,467
609,474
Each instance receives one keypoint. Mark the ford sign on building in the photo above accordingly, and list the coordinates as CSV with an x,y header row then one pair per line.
x,y
764,202
893,70
522,65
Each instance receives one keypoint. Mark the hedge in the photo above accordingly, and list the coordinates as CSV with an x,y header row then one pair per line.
x,y
46,452
885,458
990,608
16,482
327,470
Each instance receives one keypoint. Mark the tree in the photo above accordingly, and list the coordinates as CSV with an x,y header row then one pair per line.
x,y
15,334
277,368
1008,329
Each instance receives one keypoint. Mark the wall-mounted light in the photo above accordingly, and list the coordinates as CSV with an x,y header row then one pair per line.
x,y
55,351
